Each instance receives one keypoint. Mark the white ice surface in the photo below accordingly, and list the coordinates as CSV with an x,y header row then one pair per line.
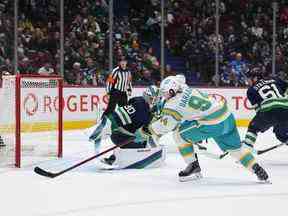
x,y
226,189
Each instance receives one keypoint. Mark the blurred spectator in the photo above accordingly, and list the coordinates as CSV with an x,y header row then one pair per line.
x,y
284,15
88,74
261,50
256,29
46,69
168,71
145,78
235,74
3,73
189,33
25,67
73,76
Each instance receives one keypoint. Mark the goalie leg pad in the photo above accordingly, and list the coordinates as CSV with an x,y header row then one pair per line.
x,y
139,158
102,131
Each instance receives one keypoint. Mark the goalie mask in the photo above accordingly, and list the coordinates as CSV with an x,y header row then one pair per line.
x,y
151,95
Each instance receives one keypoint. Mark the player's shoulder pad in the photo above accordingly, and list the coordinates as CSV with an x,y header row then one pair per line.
x,y
137,99
171,110
139,102
281,81
250,92
250,89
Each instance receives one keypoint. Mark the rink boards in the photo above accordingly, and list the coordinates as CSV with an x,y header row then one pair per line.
x,y
83,106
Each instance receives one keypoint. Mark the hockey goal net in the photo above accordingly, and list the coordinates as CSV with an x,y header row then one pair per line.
x,y
30,119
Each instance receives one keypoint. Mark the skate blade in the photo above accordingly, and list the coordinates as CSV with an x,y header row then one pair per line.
x,y
100,165
192,177
264,181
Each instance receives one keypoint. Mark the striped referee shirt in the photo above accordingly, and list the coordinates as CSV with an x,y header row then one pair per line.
x,y
119,79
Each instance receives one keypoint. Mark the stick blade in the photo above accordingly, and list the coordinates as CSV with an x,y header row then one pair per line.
x,y
43,172
223,155
259,152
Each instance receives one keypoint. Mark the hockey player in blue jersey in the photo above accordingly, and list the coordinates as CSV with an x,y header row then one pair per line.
x,y
268,96
130,123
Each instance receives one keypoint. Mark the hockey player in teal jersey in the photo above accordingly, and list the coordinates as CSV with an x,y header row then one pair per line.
x,y
194,116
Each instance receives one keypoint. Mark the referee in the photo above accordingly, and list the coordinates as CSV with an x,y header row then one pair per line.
x,y
119,86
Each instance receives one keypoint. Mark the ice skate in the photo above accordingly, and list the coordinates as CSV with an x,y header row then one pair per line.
x,y
260,173
105,164
191,172
110,160
2,144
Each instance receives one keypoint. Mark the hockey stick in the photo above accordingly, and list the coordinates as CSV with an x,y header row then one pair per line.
x,y
259,152
46,173
212,155
203,151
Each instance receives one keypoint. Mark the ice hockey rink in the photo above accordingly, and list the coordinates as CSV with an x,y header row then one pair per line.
x,y
226,189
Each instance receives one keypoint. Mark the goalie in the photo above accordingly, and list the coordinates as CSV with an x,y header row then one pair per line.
x,y
128,125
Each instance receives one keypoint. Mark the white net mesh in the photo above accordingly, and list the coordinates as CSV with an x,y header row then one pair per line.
x,y
39,103
7,120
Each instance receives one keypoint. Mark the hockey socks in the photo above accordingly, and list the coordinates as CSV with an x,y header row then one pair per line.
x,y
250,139
246,158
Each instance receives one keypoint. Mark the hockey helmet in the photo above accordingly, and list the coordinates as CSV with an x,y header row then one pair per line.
x,y
169,87
181,80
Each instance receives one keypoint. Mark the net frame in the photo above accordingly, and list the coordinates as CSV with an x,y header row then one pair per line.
x,y
18,79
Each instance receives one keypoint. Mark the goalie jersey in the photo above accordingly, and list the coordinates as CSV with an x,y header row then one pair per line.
x,y
267,94
134,115
190,105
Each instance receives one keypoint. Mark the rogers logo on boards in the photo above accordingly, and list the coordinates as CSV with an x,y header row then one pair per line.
x,y
239,102
30,104
71,103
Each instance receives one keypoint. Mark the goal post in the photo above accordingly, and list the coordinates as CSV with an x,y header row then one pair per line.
x,y
27,125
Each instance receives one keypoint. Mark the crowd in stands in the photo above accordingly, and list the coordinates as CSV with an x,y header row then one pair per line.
x,y
245,40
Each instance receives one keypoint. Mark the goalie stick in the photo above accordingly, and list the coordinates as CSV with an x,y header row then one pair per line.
x,y
46,173
259,152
